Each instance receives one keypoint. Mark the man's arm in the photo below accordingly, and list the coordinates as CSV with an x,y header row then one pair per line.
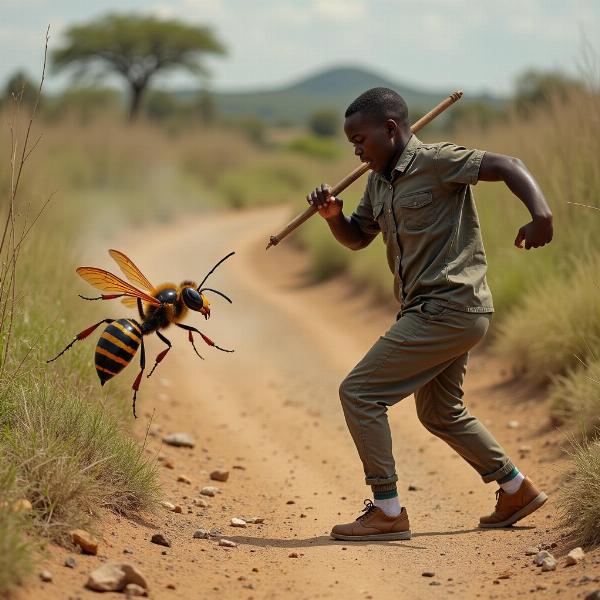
x,y
344,229
498,167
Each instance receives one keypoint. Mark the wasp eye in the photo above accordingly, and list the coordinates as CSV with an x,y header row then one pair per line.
x,y
192,298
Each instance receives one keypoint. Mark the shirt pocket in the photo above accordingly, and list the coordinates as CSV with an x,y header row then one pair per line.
x,y
415,211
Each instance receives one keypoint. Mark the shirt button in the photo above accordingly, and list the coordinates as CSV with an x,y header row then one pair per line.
x,y
390,210
391,187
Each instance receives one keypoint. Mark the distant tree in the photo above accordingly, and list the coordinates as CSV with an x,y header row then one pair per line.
x,y
206,107
160,104
20,87
325,123
533,88
136,48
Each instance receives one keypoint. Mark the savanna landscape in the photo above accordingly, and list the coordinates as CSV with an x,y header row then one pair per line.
x,y
242,505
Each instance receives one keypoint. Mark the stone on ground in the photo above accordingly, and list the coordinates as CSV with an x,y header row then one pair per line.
x,y
235,522
227,543
46,576
219,475
576,555
114,577
181,440
549,564
161,540
86,541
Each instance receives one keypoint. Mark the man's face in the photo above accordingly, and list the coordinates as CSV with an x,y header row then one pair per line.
x,y
373,140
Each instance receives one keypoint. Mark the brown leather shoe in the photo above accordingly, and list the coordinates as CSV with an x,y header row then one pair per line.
x,y
512,507
374,524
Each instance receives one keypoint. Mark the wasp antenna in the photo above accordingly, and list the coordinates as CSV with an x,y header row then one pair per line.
x,y
213,269
216,292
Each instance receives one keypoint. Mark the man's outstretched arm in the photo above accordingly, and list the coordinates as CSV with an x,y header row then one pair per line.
x,y
498,167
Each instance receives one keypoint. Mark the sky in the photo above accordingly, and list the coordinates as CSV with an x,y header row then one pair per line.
x,y
476,45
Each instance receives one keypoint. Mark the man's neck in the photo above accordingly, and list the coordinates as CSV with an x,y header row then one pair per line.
x,y
389,171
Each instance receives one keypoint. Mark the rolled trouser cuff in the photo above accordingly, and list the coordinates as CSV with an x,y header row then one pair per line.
x,y
382,484
504,470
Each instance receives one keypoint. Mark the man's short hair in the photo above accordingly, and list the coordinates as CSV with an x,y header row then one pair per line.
x,y
381,103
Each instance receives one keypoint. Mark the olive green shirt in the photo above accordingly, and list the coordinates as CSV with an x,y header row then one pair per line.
x,y
429,223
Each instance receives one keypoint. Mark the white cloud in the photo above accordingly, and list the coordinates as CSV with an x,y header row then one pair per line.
x,y
340,10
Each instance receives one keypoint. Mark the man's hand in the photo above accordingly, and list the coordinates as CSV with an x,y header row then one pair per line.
x,y
535,234
328,205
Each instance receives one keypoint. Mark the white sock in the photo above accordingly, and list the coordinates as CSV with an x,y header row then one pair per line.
x,y
512,486
390,506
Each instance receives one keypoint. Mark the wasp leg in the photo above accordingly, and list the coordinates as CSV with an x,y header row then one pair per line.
x,y
205,338
162,354
103,297
81,336
136,384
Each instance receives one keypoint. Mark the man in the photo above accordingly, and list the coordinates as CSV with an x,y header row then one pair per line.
x,y
419,197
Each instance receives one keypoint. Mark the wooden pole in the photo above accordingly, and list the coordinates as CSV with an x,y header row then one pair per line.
x,y
339,187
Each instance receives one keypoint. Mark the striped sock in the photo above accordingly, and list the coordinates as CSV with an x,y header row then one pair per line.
x,y
512,482
388,501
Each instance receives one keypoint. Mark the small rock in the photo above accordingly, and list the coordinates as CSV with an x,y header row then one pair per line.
x,y
595,595
87,542
70,562
201,534
219,475
181,440
412,488
524,450
200,502
168,463
184,479
114,577
256,520
168,505
428,574
291,502
235,522
505,574
549,564
576,555
22,505
435,583
127,551
210,490
46,576
133,589
513,424
227,543
215,531
540,556
161,540
532,551
293,555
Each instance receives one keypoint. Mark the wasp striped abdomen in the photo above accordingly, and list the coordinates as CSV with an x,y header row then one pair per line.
x,y
116,347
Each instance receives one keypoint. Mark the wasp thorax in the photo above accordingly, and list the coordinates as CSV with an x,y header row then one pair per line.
x,y
193,299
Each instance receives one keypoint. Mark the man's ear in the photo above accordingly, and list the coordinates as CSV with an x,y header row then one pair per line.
x,y
392,128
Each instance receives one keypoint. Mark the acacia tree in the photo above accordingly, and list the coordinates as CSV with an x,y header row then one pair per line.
x,y
136,47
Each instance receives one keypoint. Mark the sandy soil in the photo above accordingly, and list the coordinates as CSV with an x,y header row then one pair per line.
x,y
270,414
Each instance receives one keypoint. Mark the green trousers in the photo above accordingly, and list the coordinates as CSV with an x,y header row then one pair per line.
x,y
424,352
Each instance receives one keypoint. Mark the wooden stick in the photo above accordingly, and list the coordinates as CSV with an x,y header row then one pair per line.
x,y
339,187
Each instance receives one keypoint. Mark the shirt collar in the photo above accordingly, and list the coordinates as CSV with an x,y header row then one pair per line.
x,y
409,151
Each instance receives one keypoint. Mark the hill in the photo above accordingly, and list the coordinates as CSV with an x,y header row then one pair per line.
x,y
332,88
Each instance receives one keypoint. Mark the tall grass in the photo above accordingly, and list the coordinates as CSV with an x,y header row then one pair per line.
x,y
580,496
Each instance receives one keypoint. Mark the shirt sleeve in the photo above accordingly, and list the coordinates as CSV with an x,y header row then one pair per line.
x,y
456,164
363,214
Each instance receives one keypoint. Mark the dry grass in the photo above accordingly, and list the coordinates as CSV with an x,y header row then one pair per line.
x,y
580,496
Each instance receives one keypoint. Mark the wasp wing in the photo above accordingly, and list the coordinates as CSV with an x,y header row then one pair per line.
x,y
129,302
130,270
107,282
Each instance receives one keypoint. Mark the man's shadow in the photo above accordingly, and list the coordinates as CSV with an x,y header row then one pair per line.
x,y
325,540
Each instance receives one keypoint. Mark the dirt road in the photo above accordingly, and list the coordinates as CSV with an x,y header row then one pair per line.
x,y
270,414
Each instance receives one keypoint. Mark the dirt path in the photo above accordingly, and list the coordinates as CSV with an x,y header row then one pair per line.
x,y
270,414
